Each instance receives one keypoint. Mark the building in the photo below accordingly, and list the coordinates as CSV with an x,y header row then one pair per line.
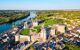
x,y
25,25
14,30
17,38
24,38
43,34
34,37
34,23
71,27
52,32
5,40
61,28
78,30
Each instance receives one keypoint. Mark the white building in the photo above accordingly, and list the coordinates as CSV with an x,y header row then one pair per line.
x,y
35,23
61,28
52,32
5,40
25,25
17,38
14,30
43,34
24,38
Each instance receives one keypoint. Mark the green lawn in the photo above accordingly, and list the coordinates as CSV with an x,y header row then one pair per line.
x,y
53,21
36,29
25,31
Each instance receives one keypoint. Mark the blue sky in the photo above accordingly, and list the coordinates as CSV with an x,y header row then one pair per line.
x,y
39,4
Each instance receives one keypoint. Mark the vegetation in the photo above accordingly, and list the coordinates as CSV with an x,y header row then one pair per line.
x,y
71,47
53,21
25,31
11,15
36,29
31,48
59,17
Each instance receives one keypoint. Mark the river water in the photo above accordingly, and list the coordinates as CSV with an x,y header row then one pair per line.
x,y
7,26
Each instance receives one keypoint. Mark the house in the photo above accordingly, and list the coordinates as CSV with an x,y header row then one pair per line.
x,y
78,30
52,32
17,38
5,40
14,30
75,35
68,35
71,27
44,48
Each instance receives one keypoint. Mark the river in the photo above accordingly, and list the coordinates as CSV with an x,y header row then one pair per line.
x,y
7,26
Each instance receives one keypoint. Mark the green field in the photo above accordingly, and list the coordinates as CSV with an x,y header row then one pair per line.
x,y
36,29
25,31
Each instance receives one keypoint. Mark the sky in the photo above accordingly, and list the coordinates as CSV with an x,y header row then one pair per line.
x,y
39,4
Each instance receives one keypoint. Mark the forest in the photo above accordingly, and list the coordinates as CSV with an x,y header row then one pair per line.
x,y
12,15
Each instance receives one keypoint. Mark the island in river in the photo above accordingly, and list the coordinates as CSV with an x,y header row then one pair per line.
x,y
12,15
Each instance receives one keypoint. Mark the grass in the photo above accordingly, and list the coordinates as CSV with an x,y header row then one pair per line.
x,y
36,29
72,47
25,31
53,21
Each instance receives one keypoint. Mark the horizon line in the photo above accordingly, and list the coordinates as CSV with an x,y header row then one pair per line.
x,y
39,9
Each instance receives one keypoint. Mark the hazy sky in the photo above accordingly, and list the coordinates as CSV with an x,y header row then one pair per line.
x,y
39,4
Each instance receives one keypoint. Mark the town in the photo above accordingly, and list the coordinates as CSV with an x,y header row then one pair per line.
x,y
35,34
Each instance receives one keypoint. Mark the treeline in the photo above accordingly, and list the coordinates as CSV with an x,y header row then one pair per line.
x,y
11,15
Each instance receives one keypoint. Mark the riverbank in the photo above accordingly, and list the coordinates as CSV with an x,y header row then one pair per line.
x,y
12,16
15,19
9,25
